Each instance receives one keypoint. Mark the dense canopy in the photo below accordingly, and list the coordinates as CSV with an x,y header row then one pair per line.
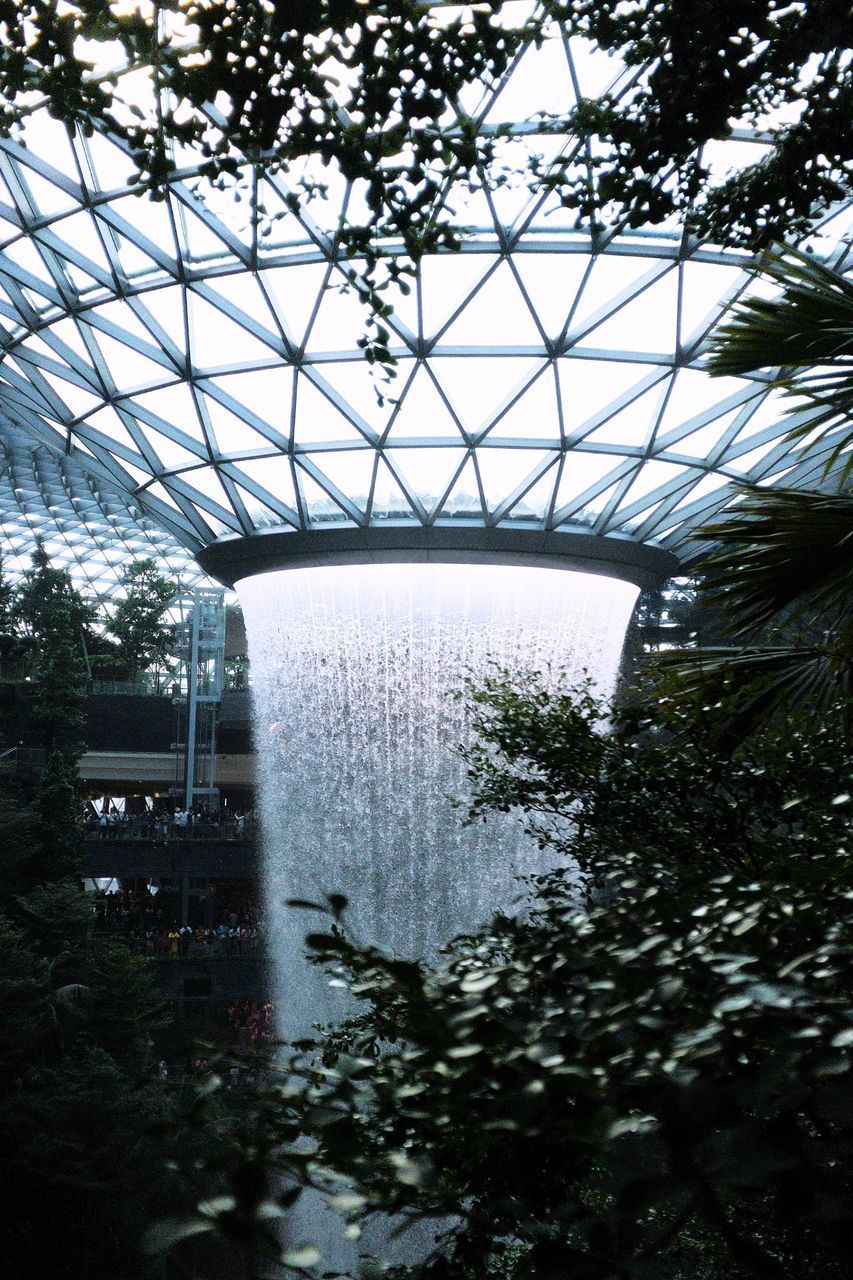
x,y
202,347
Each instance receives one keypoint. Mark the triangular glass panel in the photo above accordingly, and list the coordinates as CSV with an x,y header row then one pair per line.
x,y
78,233
105,162
196,235
705,289
630,427
611,277
172,455
173,405
273,476
536,503
427,473
143,230
591,511
341,320
125,319
134,261
204,523
589,388
747,461
534,416
244,293
47,197
233,436
324,208
463,501
260,514
205,481
166,306
111,431
769,413
595,69
44,136
699,444
503,470
583,471
136,475
510,195
351,472
69,336
693,393
293,292
466,205
497,315
37,300
421,414
446,281
478,387
552,281
317,502
266,393
652,476
318,421
24,253
545,213
279,227
404,305
219,341
389,501
127,367
359,384
9,197
78,401
473,97
156,221
708,485
725,158
540,83
645,323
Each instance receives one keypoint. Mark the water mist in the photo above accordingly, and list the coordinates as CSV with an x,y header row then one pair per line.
x,y
356,727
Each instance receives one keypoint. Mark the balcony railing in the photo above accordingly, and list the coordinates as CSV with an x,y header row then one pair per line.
x,y
165,828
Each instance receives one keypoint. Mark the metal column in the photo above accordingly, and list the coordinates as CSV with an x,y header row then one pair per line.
x,y
201,678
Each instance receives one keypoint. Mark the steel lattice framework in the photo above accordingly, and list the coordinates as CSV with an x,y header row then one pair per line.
x,y
206,362
91,529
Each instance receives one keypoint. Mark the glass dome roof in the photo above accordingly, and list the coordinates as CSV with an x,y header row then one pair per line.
x,y
89,528
206,363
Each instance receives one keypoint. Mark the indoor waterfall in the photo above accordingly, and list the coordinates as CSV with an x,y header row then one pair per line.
x,y
356,725
353,670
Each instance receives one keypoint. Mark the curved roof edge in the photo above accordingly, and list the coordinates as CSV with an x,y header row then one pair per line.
x,y
231,559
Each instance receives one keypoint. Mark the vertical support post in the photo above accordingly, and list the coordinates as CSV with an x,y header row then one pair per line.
x,y
192,705
198,694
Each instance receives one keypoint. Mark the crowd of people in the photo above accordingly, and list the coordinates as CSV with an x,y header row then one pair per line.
x,y
199,823
237,928
212,942
252,1020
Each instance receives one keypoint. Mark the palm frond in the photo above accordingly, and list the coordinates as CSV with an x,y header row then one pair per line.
x,y
757,684
781,551
804,336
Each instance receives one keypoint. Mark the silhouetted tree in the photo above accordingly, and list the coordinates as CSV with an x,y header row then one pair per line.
x,y
137,621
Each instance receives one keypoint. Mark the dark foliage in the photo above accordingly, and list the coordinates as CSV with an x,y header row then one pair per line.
x,y
646,1075
137,622
373,88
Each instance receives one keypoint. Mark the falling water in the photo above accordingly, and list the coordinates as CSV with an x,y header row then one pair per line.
x,y
353,670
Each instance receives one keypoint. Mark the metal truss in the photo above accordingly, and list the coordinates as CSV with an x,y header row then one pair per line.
x,y
204,360
92,530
